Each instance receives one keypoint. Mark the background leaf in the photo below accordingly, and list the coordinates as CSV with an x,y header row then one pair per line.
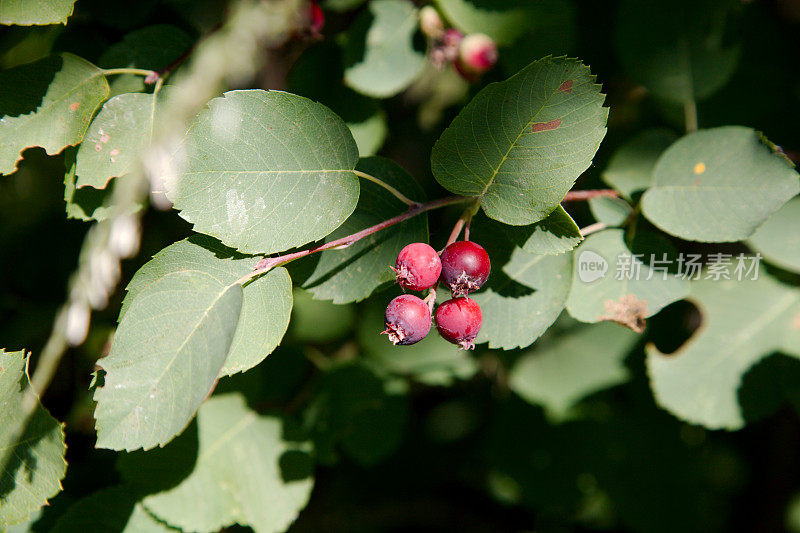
x,y
628,301
775,243
520,144
502,20
319,321
610,211
86,203
681,51
631,167
275,170
743,321
31,12
352,274
556,234
380,57
48,103
35,463
563,369
242,474
718,185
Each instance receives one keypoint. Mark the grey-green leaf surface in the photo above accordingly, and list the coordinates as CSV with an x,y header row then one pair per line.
x,y
370,133
520,144
35,12
116,139
264,171
610,211
32,467
352,274
631,167
167,352
683,50
563,369
380,57
609,282
556,234
266,304
519,306
502,20
48,103
718,185
112,509
778,239
743,322
241,474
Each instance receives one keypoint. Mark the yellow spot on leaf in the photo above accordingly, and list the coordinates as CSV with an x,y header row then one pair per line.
x,y
699,168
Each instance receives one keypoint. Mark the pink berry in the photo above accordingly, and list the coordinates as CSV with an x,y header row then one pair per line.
x,y
465,267
452,37
418,267
477,53
407,319
459,320
316,18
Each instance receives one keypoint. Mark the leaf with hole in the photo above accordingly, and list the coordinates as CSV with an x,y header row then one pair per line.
x,y
520,144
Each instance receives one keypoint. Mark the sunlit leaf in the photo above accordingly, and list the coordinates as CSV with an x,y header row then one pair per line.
x,y
556,234
35,12
777,240
113,509
610,211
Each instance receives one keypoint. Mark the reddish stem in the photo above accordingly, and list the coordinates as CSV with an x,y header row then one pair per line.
x,y
576,196
269,262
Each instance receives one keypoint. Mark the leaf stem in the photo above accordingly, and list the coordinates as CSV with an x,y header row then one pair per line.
x,y
690,115
269,262
136,71
593,228
400,196
577,196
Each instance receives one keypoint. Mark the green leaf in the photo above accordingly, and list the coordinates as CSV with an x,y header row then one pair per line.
x,y
682,50
116,139
245,473
266,171
35,12
718,185
48,103
266,305
563,369
151,47
609,282
610,211
743,322
432,361
352,274
380,56
86,203
520,144
516,314
32,467
167,352
631,167
777,240
319,321
369,133
502,20
112,509
352,410
556,234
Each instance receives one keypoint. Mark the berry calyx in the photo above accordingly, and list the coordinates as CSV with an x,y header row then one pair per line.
x,y
417,267
465,267
477,53
430,22
459,320
407,320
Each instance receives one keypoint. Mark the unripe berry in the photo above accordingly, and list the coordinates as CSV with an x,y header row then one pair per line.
x,y
407,319
477,53
459,320
430,22
418,267
465,267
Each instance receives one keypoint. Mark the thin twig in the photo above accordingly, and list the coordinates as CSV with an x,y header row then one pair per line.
x,y
593,228
400,196
135,71
577,196
690,115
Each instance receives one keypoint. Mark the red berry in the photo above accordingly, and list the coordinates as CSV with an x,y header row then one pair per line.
x,y
477,53
418,267
316,18
407,319
465,267
459,320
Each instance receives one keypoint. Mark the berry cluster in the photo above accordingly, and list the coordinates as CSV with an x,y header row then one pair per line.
x,y
471,54
463,267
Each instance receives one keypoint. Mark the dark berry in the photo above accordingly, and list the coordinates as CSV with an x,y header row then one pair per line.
x,y
418,267
459,320
465,267
407,319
